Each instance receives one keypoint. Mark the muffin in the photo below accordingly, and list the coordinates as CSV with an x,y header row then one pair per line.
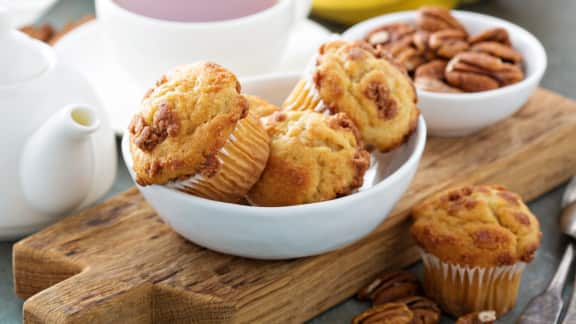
x,y
260,107
194,133
313,157
376,94
475,242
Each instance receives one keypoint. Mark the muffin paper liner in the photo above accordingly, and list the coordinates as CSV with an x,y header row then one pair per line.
x,y
305,96
460,290
241,161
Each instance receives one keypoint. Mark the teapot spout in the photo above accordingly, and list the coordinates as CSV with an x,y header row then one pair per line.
x,y
57,164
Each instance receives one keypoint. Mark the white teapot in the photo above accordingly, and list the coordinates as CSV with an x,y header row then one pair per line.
x,y
57,150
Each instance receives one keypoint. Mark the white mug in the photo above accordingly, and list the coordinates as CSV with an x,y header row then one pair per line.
x,y
148,47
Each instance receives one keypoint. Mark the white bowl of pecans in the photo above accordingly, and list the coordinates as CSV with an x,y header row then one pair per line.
x,y
471,70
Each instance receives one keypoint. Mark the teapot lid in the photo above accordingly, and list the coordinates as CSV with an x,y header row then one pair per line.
x,y
22,58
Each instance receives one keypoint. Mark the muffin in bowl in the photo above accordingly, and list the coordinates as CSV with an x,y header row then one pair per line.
x,y
376,94
455,112
313,157
194,133
475,242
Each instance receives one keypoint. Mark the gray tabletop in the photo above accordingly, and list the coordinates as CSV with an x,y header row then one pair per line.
x,y
553,22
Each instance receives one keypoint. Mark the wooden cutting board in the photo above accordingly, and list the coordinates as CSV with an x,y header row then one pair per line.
x,y
119,263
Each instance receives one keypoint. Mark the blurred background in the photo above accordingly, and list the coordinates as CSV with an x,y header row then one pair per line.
x,y
551,21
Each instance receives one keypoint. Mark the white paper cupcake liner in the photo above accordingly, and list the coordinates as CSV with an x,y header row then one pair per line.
x,y
308,92
463,289
240,165
305,96
471,274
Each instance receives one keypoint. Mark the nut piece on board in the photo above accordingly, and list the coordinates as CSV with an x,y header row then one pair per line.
x,y
391,313
390,287
498,34
505,53
430,77
425,311
483,317
448,42
474,71
436,18
42,33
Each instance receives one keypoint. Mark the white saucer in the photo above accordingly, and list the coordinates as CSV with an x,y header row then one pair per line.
x,y
120,94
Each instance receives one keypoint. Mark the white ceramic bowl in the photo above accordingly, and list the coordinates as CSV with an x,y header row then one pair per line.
x,y
463,114
294,231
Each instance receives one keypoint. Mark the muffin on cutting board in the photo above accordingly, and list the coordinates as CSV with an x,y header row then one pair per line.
x,y
475,242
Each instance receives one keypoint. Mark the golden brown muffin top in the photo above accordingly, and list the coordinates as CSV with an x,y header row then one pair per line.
x,y
313,157
377,94
184,120
482,226
260,107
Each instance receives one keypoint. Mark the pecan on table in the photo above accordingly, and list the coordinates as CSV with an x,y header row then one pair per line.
x,y
47,34
436,18
425,311
391,313
390,287
504,52
474,71
42,33
498,34
483,317
448,42
430,77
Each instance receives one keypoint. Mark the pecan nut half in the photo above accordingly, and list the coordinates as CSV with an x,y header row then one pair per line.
x,y
390,33
474,71
405,55
424,310
391,313
420,41
436,18
42,33
499,35
430,77
483,317
505,53
396,41
448,42
391,286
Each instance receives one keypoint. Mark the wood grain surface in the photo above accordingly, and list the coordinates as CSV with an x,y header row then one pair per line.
x,y
119,263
